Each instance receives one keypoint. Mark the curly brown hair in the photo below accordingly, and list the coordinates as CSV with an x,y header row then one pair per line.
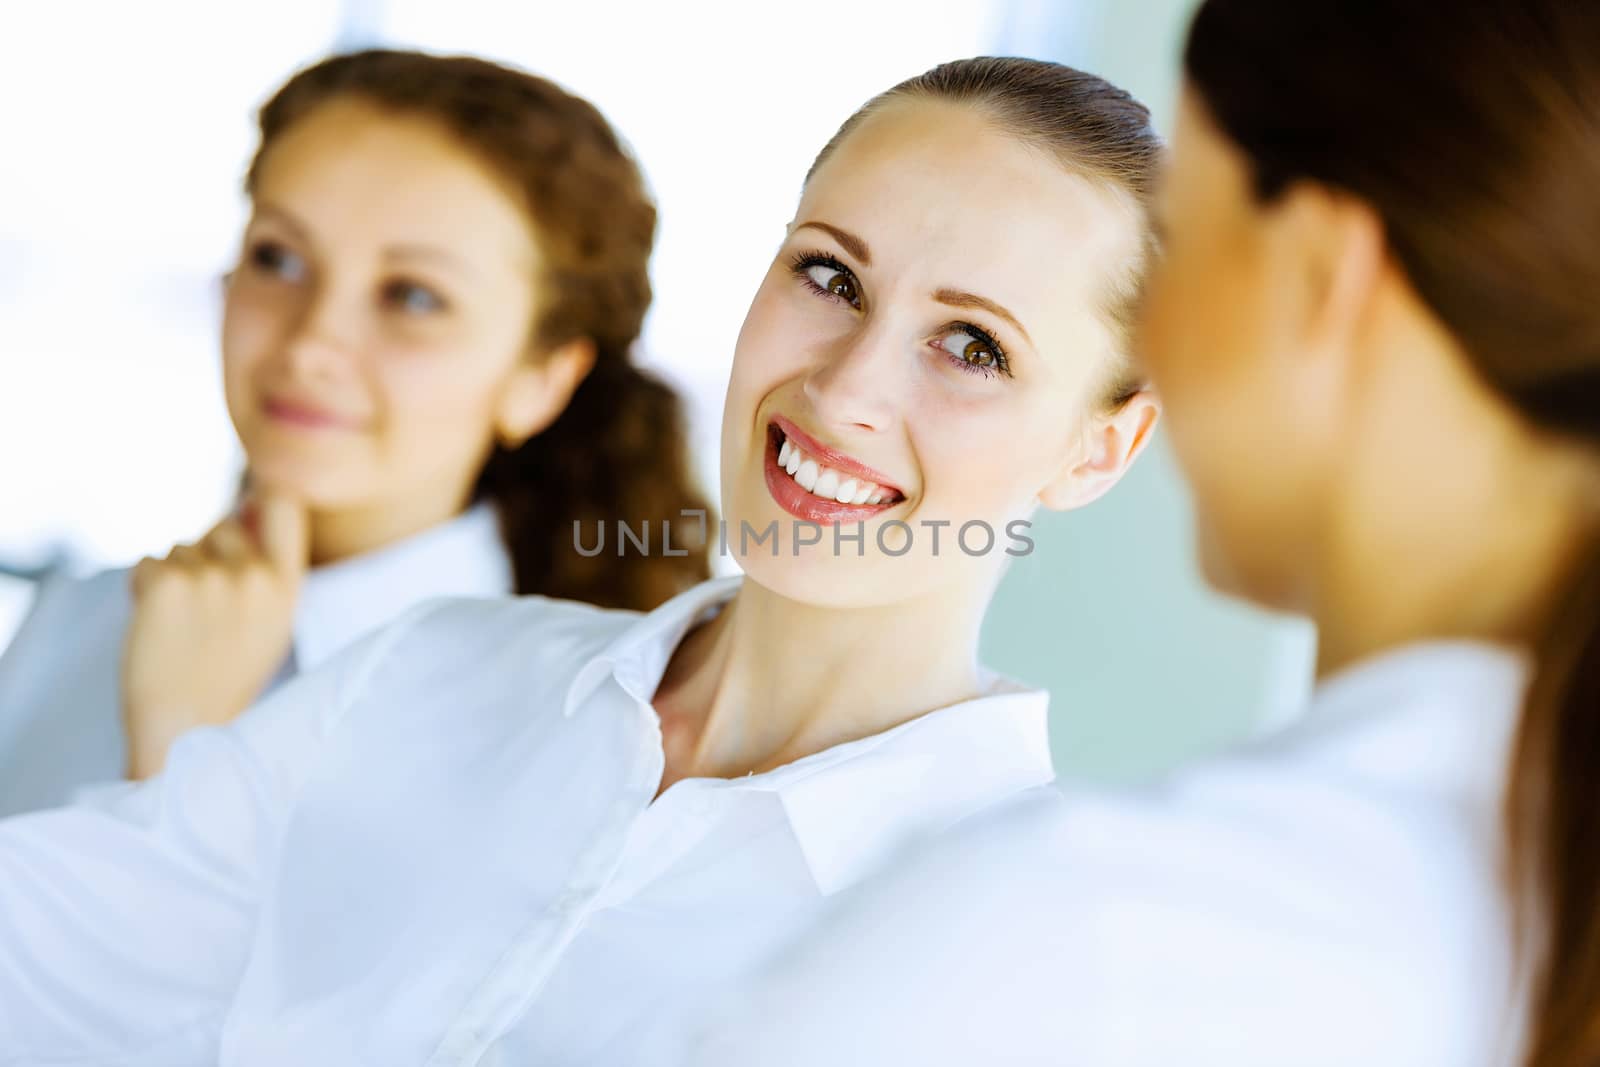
x,y
619,451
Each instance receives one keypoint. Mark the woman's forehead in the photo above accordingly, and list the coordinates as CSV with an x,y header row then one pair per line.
x,y
943,196
919,171
349,172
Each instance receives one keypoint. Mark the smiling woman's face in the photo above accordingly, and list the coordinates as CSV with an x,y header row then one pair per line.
x,y
933,330
384,298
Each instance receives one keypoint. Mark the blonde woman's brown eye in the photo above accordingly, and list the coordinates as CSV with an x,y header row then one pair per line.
x,y
823,274
973,350
978,354
831,280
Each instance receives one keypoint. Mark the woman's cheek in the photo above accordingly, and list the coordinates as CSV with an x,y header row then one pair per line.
x,y
432,406
956,484
772,344
244,347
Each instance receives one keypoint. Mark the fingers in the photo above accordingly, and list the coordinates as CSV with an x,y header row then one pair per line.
x,y
281,542
143,572
186,557
227,549
151,573
228,544
284,532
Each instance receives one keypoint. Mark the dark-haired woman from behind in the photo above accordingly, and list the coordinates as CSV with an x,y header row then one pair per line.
x,y
426,356
1376,332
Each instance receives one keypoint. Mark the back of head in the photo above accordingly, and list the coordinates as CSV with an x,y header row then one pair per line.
x,y
1473,130
618,451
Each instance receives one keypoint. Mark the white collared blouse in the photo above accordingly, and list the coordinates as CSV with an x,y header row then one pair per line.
x,y
445,849
61,724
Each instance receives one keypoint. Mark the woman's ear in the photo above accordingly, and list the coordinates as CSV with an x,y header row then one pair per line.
x,y
1111,443
1336,243
538,390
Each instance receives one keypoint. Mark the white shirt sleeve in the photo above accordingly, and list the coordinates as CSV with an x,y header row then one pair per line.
x,y
126,919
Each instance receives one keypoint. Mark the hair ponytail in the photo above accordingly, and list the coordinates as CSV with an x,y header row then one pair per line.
x,y
616,454
1553,812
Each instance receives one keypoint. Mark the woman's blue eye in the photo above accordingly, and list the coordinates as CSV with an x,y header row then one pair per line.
x,y
974,351
412,298
275,260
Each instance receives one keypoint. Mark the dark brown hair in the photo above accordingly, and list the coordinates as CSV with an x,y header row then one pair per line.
x,y
1084,121
618,451
1473,129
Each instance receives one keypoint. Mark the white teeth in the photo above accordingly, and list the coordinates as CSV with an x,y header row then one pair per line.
x,y
826,482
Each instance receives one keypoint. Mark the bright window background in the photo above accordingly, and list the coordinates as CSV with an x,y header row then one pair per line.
x,y
127,129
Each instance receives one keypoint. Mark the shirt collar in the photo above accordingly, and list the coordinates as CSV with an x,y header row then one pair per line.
x,y
855,805
852,805
343,601
1426,670
638,656
1442,711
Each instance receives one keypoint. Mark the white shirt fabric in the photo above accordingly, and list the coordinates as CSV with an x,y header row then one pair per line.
x,y
60,693
1327,898
442,849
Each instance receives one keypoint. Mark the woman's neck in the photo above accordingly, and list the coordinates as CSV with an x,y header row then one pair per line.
x,y
771,680
1456,522
343,533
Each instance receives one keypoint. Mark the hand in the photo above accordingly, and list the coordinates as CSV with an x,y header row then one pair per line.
x,y
211,624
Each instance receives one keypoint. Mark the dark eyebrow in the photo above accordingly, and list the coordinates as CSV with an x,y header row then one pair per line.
x,y
958,299
851,243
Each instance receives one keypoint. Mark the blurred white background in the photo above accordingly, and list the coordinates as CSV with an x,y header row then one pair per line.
x,y
126,132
